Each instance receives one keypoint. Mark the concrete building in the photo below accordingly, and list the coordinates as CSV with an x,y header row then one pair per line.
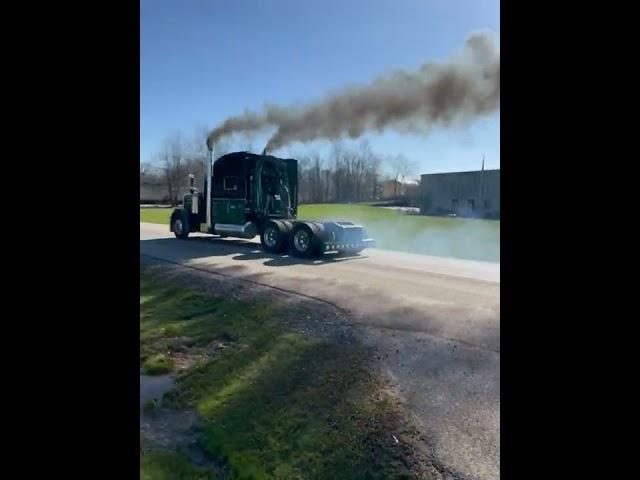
x,y
153,187
467,194
153,193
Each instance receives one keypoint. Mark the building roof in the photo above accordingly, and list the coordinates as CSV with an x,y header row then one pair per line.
x,y
458,173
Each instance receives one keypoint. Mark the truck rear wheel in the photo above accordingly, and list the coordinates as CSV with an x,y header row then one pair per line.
x,y
273,238
181,226
303,243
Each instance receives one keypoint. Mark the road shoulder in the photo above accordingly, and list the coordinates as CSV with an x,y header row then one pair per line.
x,y
285,386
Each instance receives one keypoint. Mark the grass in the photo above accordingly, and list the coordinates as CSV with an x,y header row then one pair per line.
x,y
471,239
155,215
156,365
273,404
159,465
467,238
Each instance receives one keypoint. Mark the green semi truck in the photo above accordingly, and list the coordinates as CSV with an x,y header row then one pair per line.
x,y
246,195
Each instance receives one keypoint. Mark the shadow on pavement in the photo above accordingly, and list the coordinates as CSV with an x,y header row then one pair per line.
x,y
242,250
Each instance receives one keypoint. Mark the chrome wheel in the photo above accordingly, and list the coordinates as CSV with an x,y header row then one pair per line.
x,y
271,237
177,227
301,240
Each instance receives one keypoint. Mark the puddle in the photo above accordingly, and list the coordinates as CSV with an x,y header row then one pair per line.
x,y
161,427
154,387
169,429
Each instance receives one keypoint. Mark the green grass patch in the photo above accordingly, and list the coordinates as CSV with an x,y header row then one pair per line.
x,y
472,239
273,404
160,465
156,365
467,238
155,215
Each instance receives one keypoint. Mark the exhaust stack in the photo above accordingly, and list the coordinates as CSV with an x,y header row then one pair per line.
x,y
207,223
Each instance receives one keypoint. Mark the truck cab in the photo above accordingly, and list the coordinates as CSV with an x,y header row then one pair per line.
x,y
247,187
258,195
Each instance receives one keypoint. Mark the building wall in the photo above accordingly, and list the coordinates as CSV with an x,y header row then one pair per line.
x,y
150,193
392,189
157,192
461,193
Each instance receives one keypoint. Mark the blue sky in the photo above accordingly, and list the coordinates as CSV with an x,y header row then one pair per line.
x,y
201,61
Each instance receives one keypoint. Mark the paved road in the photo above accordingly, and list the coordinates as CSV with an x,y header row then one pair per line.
x,y
435,322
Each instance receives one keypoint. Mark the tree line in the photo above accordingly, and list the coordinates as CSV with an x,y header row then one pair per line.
x,y
344,175
348,175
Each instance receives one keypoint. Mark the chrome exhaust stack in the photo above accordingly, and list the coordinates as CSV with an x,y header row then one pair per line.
x,y
207,224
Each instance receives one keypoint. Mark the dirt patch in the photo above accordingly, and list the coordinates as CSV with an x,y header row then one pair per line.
x,y
161,427
171,430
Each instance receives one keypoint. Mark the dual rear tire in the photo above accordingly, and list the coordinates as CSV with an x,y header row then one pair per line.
x,y
304,242
274,237
301,240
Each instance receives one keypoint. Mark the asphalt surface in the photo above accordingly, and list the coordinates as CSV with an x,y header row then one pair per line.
x,y
434,321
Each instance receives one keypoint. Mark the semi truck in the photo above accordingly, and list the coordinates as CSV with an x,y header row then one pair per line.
x,y
247,195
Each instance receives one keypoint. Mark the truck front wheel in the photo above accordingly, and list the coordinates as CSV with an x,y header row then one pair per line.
x,y
181,226
273,238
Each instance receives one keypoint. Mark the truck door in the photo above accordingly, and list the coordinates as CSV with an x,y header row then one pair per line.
x,y
229,210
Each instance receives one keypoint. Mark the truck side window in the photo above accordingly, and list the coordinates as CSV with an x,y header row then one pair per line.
x,y
231,183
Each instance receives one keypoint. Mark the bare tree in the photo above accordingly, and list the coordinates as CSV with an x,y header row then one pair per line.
x,y
146,170
345,175
401,166
316,183
171,160
372,171
150,173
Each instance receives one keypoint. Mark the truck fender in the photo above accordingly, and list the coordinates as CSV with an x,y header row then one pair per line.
x,y
285,225
319,231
